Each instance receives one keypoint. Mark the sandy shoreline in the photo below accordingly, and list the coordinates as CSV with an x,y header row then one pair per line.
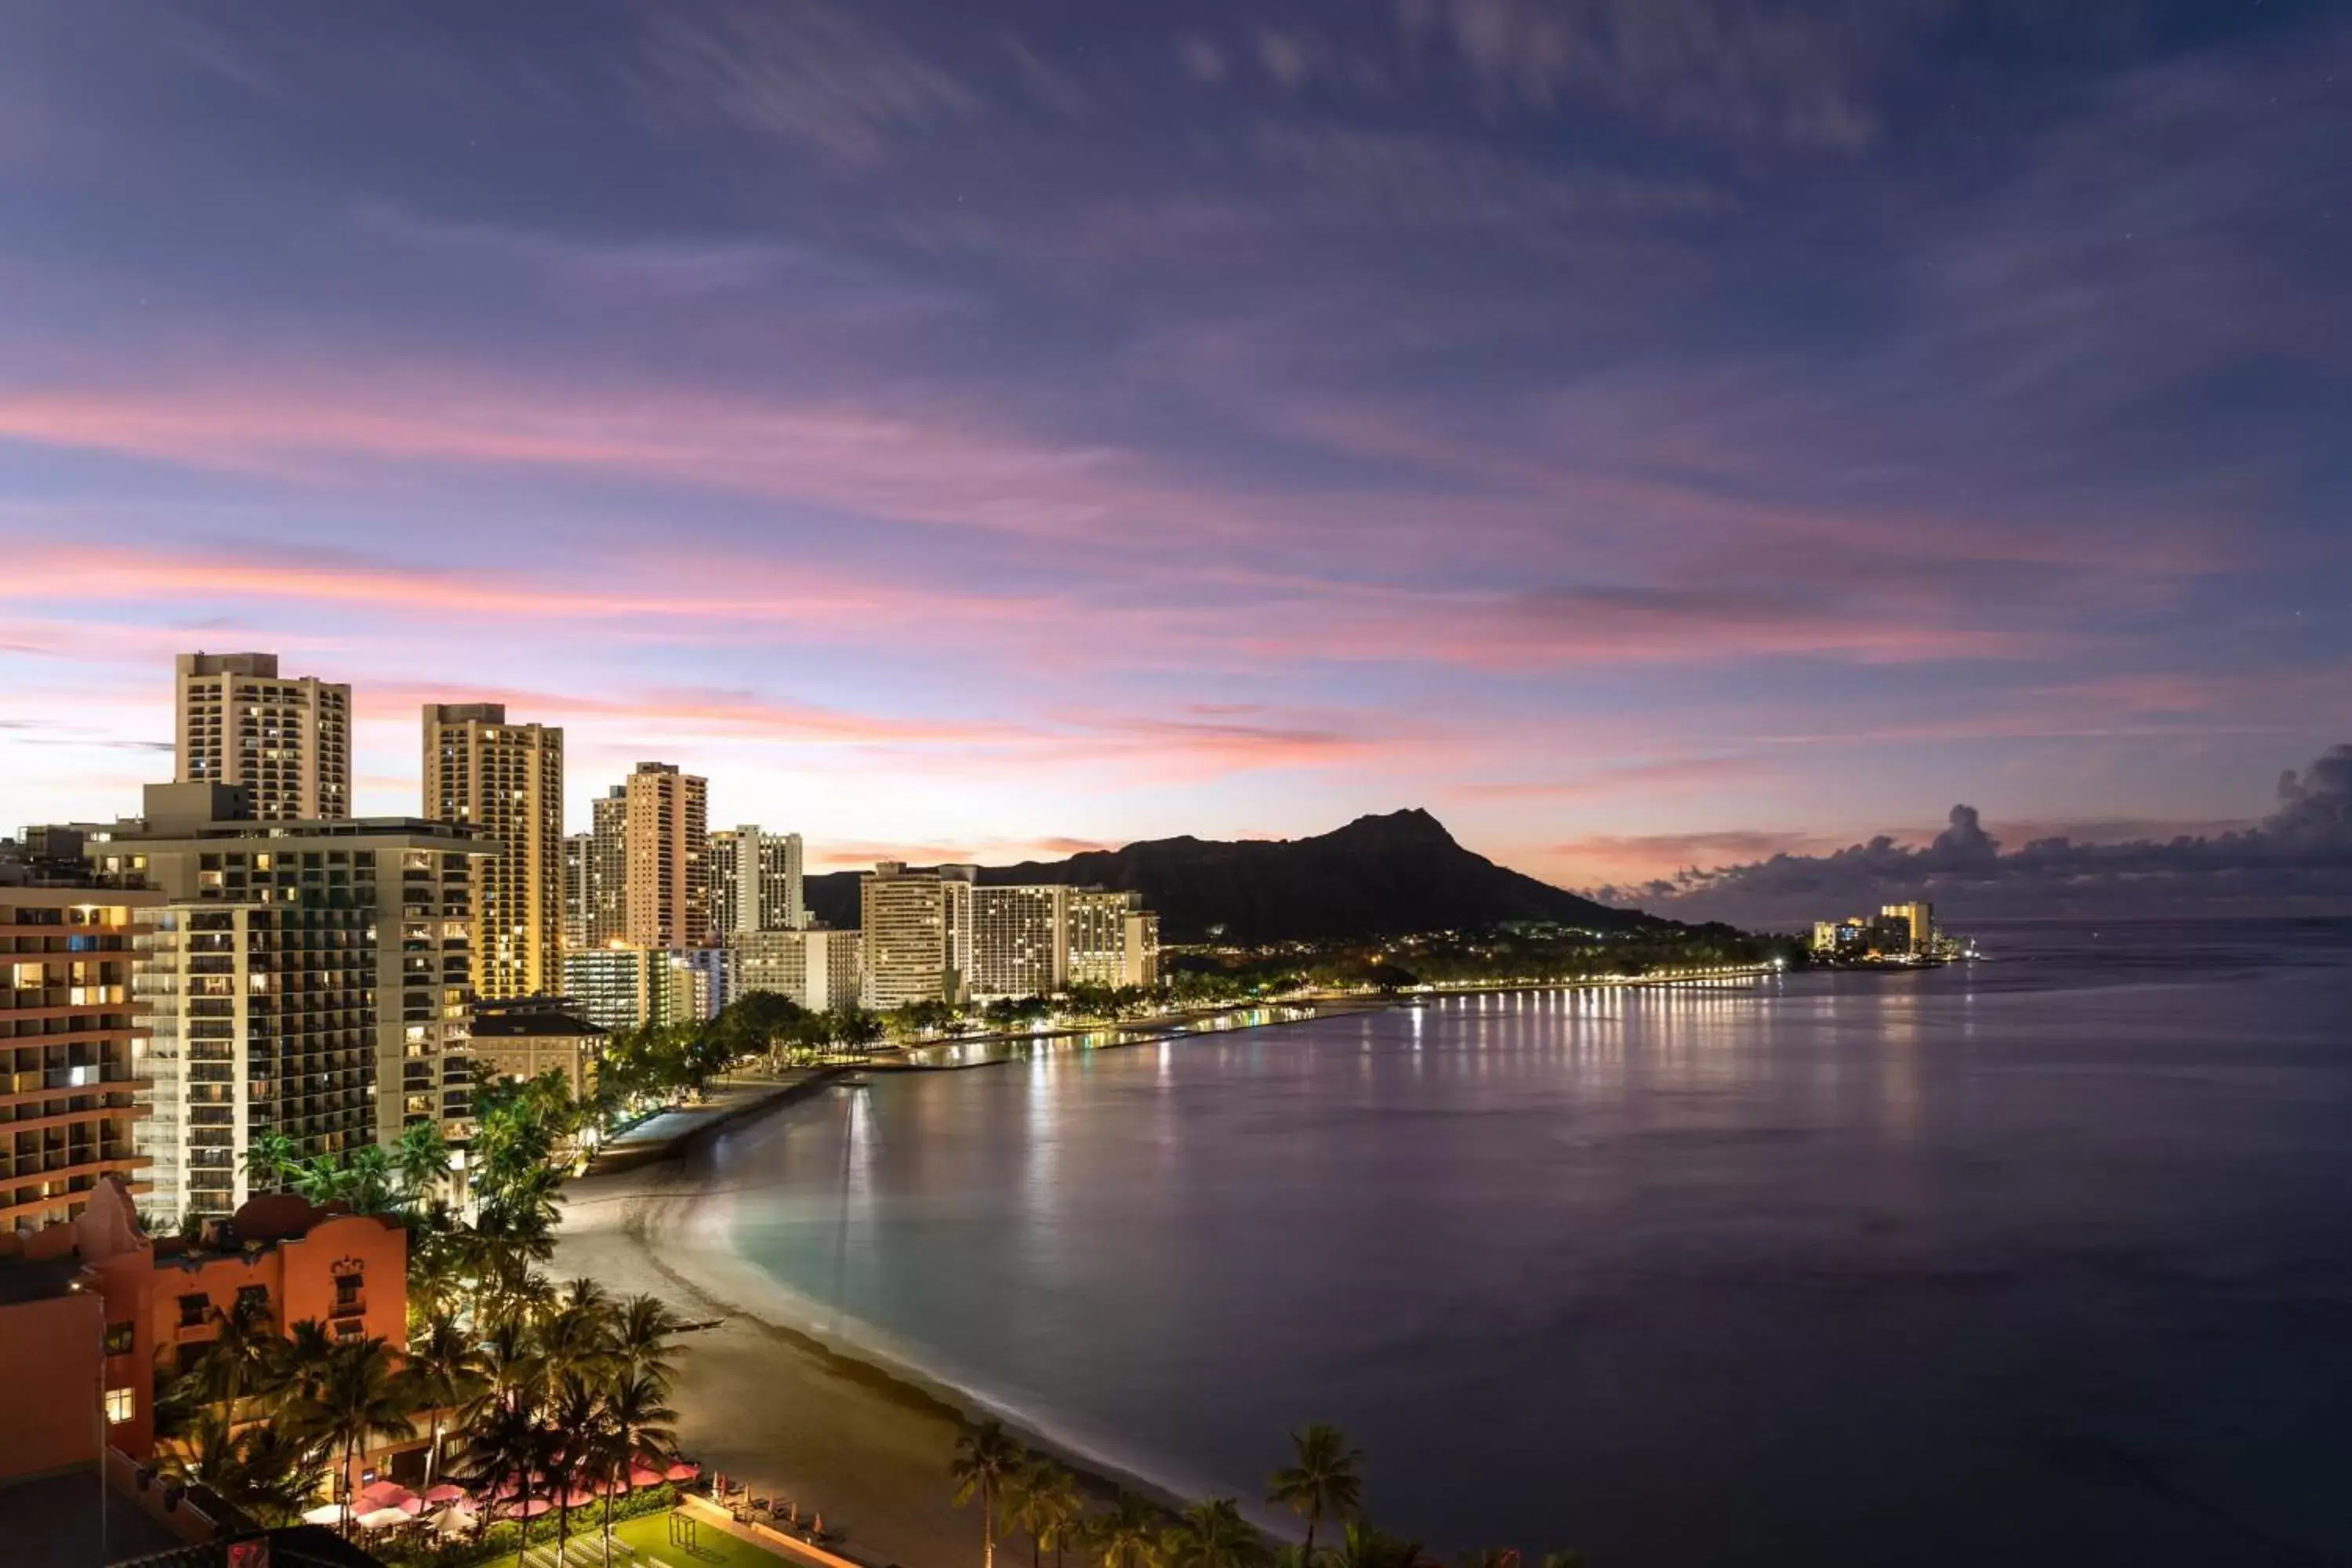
x,y
837,1428
758,1399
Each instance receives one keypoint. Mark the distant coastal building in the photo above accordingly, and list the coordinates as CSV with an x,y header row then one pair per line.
x,y
917,926
1113,940
1898,932
70,1048
755,882
286,739
508,779
817,968
1915,923
1020,943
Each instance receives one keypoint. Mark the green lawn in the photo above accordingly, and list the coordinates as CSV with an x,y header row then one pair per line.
x,y
714,1547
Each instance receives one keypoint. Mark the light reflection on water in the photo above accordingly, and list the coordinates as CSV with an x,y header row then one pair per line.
x,y
2043,1263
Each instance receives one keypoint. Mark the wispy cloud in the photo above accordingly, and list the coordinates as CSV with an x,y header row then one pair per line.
x,y
817,73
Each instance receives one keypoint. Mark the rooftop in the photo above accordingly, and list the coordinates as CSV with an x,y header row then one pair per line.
x,y
533,1025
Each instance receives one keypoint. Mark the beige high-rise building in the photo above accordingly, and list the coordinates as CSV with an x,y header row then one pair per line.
x,y
665,837
1114,940
917,933
287,740
507,778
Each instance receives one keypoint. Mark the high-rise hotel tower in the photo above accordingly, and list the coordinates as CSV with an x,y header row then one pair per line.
x,y
507,778
286,740
665,838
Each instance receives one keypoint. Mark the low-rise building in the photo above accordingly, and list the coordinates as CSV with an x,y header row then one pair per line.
x,y
159,1303
540,1034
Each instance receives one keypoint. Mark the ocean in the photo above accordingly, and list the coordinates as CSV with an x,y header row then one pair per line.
x,y
2046,1260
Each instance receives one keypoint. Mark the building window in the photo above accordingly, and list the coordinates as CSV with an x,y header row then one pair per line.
x,y
119,1338
192,1310
347,1293
118,1407
253,1298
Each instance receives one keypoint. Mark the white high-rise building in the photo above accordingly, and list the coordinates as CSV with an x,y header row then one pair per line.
x,y
286,740
817,968
917,931
1019,941
755,882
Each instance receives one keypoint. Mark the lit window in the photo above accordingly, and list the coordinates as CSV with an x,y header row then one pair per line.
x,y
118,1407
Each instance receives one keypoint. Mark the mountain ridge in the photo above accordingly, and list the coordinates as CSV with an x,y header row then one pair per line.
x,y
1386,874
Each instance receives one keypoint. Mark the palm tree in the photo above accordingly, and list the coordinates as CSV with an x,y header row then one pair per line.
x,y
420,1161
986,1460
269,1159
1488,1557
359,1397
438,1277
447,1369
1056,1509
573,1341
322,1178
368,1179
266,1473
1212,1534
578,1413
1364,1547
1324,1480
239,1361
513,1372
505,1451
641,1336
636,1427
299,1363
1029,1505
1128,1535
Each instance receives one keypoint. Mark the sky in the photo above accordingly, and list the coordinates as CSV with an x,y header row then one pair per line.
x,y
1653,435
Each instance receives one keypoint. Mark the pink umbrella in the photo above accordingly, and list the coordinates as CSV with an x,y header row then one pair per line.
x,y
684,1470
579,1496
384,1494
445,1492
412,1505
639,1475
530,1510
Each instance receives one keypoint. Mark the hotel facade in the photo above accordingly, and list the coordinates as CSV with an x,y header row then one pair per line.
x,y
70,1057
311,979
506,779
286,740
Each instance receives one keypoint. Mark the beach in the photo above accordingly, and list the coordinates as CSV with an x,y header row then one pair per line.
x,y
762,1402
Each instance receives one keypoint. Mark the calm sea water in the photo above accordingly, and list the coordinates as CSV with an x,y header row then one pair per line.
x,y
2048,1260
